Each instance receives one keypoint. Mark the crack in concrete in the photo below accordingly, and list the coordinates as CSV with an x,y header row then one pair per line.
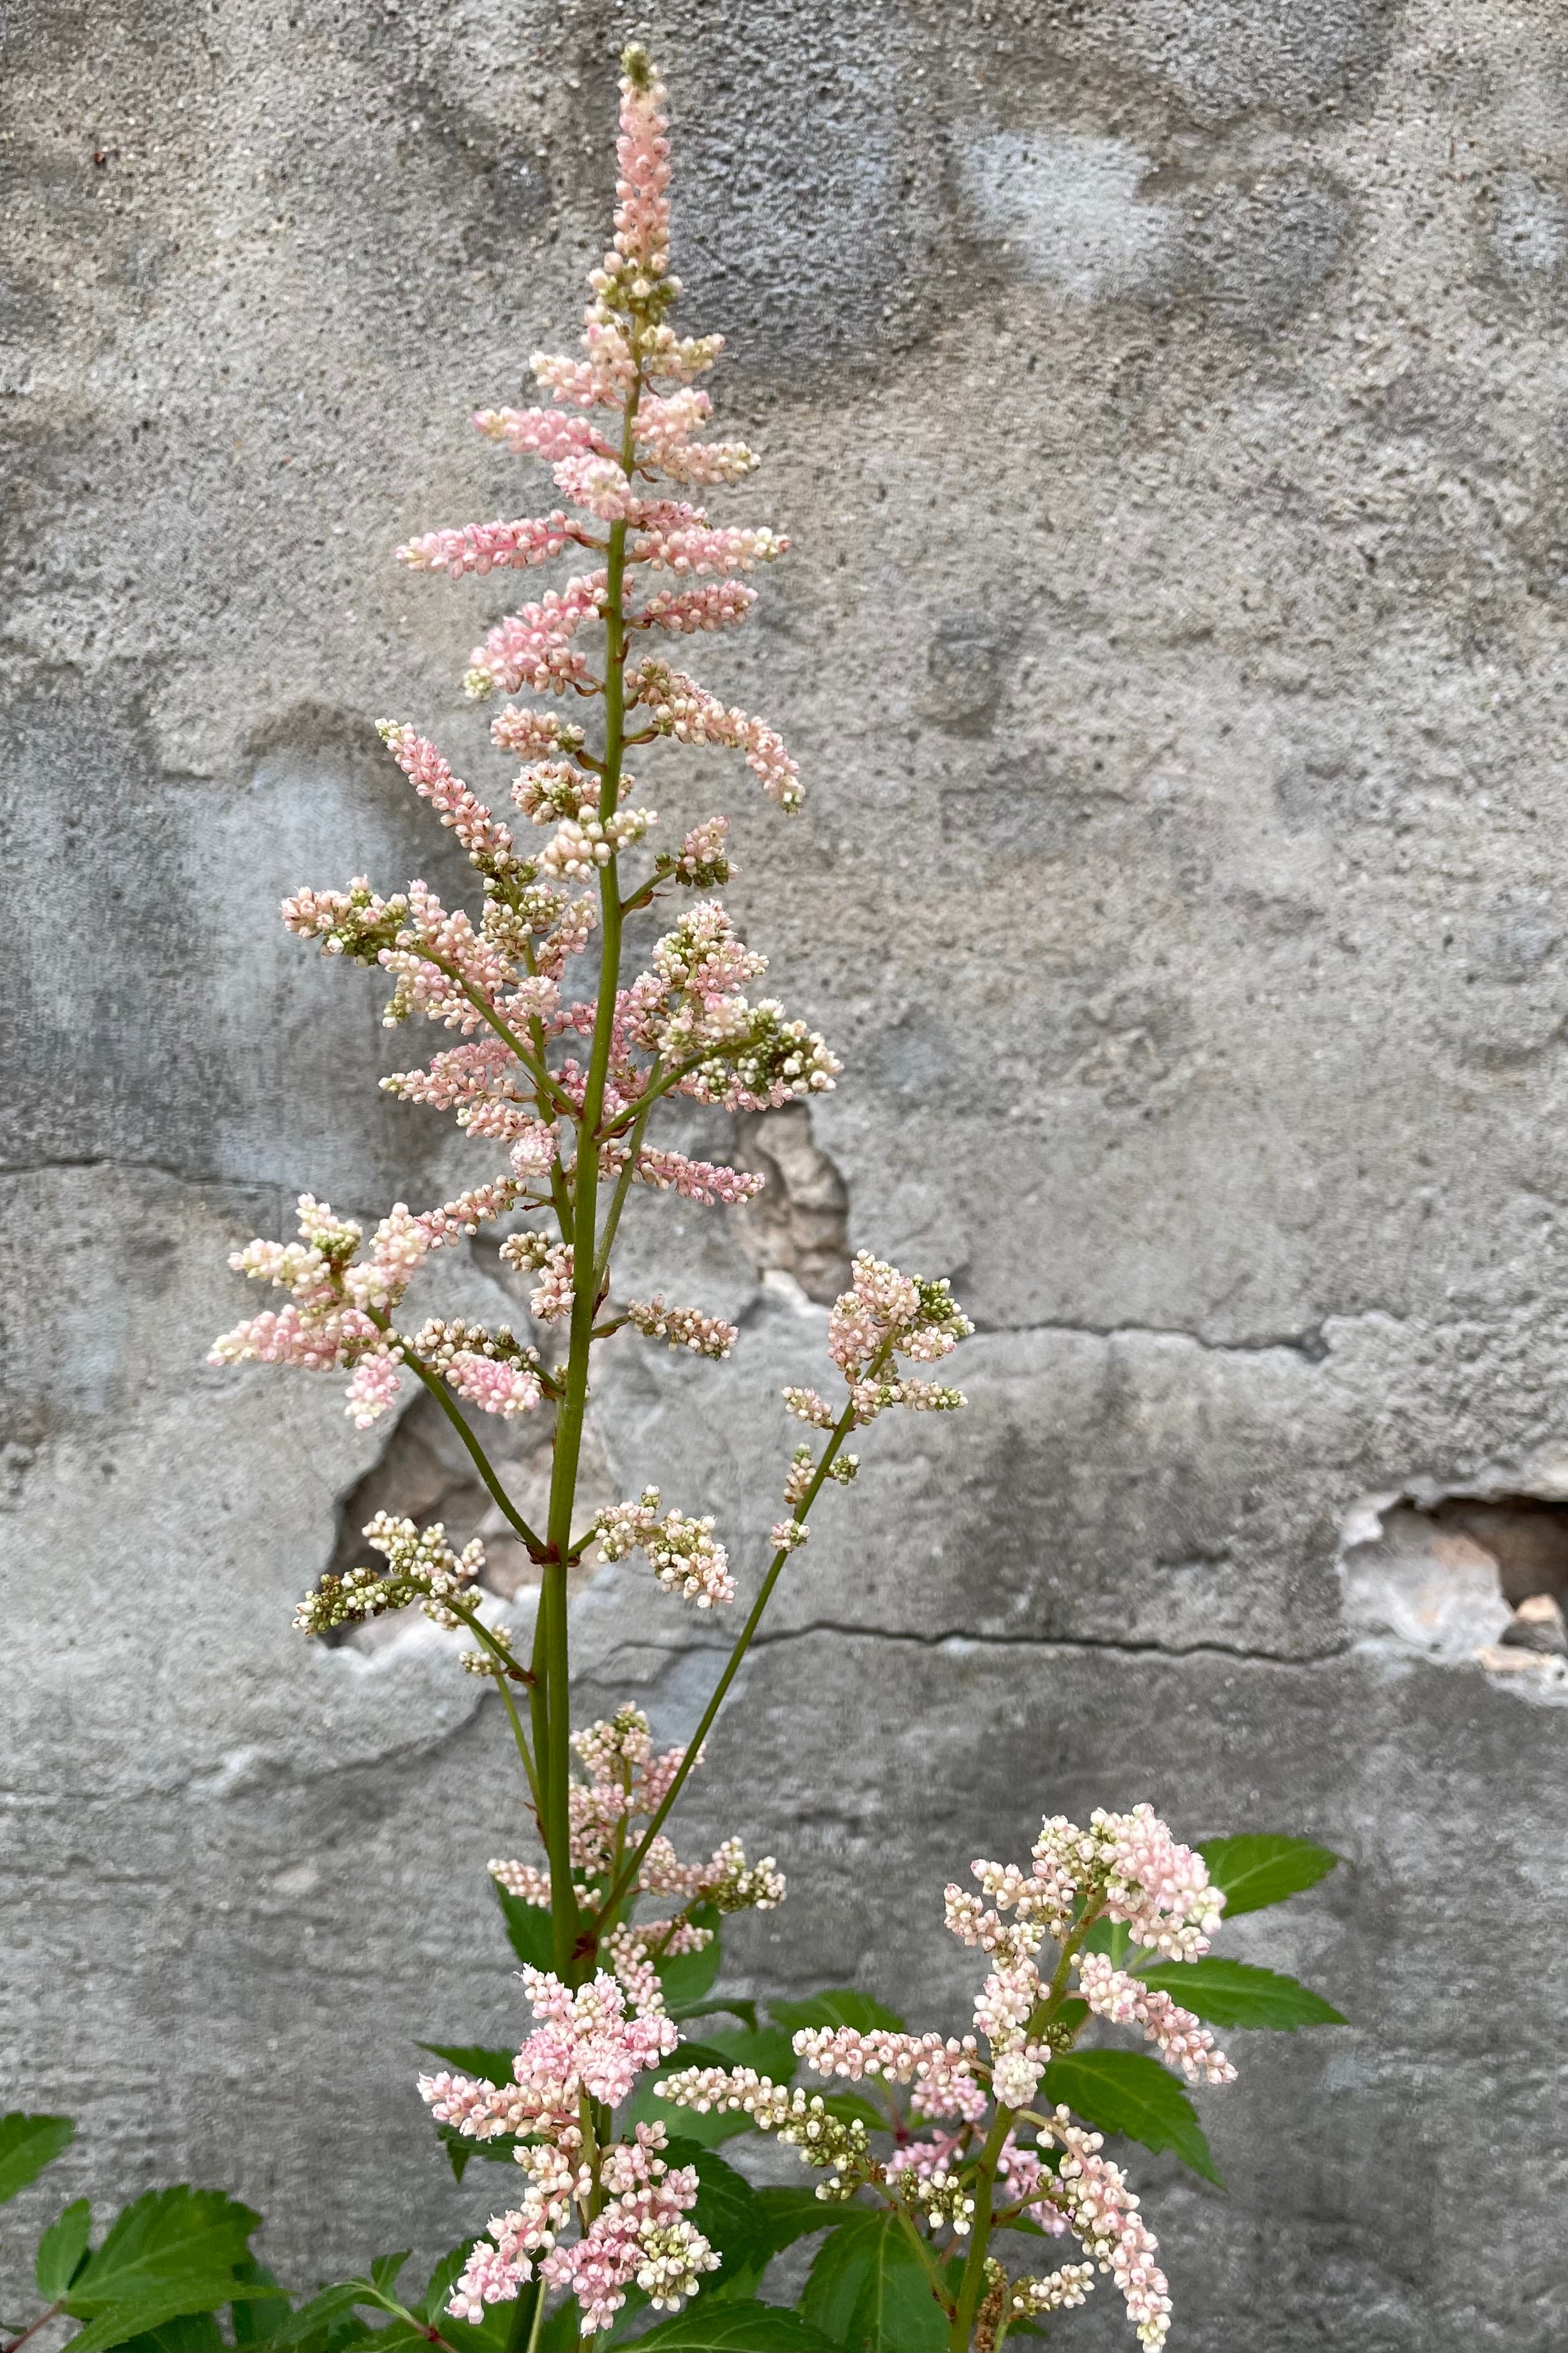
x,y
770,1638
1308,1344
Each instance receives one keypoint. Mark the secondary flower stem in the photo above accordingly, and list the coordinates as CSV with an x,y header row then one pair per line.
x,y
481,1462
504,1029
841,1430
33,2327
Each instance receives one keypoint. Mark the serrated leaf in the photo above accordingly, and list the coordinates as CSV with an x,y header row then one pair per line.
x,y
479,2059
1124,2092
1236,1993
868,2290
742,2326
792,2214
1255,1870
687,1977
167,2237
384,2270
530,1929
838,2006
27,2145
60,2251
151,2306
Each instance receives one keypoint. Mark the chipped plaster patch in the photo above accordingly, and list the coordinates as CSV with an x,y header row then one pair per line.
x,y
1066,203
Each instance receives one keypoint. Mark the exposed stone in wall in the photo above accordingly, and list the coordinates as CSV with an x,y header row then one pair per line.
x,y
799,1223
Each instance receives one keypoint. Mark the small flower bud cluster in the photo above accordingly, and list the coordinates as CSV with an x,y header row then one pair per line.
x,y
696,1180
732,1884
420,1567
1103,2214
941,2200
682,1327
548,790
534,1254
678,707
578,850
788,1535
702,862
481,547
1182,2041
1060,2291
487,842
685,1557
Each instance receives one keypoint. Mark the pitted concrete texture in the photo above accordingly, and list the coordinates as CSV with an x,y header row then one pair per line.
x,y
1165,403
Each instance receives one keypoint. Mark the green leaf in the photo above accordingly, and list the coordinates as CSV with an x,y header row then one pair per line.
x,y
792,2214
256,2320
166,2239
328,2321
1235,1993
151,2307
1124,2092
730,2216
492,2067
768,2049
742,2327
687,1977
190,2332
27,2145
728,2003
869,2291
60,2251
529,1929
384,2272
1112,1937
562,2329
1255,1870
838,2006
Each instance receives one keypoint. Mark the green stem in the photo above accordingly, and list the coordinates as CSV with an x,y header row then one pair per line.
x,y
33,2327
841,1430
553,1649
482,1633
974,2279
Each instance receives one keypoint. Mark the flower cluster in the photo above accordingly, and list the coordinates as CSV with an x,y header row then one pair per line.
x,y
686,1558
420,1567
1123,1867
627,1785
340,1301
682,1327
882,1316
586,2047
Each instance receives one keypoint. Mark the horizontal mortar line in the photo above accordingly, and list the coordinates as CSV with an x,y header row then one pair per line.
x,y
115,1160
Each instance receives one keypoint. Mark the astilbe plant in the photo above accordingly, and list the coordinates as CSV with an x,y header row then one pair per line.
x,y
953,2158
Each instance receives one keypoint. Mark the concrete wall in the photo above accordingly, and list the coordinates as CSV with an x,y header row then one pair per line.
x,y
1166,404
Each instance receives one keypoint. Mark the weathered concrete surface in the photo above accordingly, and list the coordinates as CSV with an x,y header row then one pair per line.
x,y
1165,403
